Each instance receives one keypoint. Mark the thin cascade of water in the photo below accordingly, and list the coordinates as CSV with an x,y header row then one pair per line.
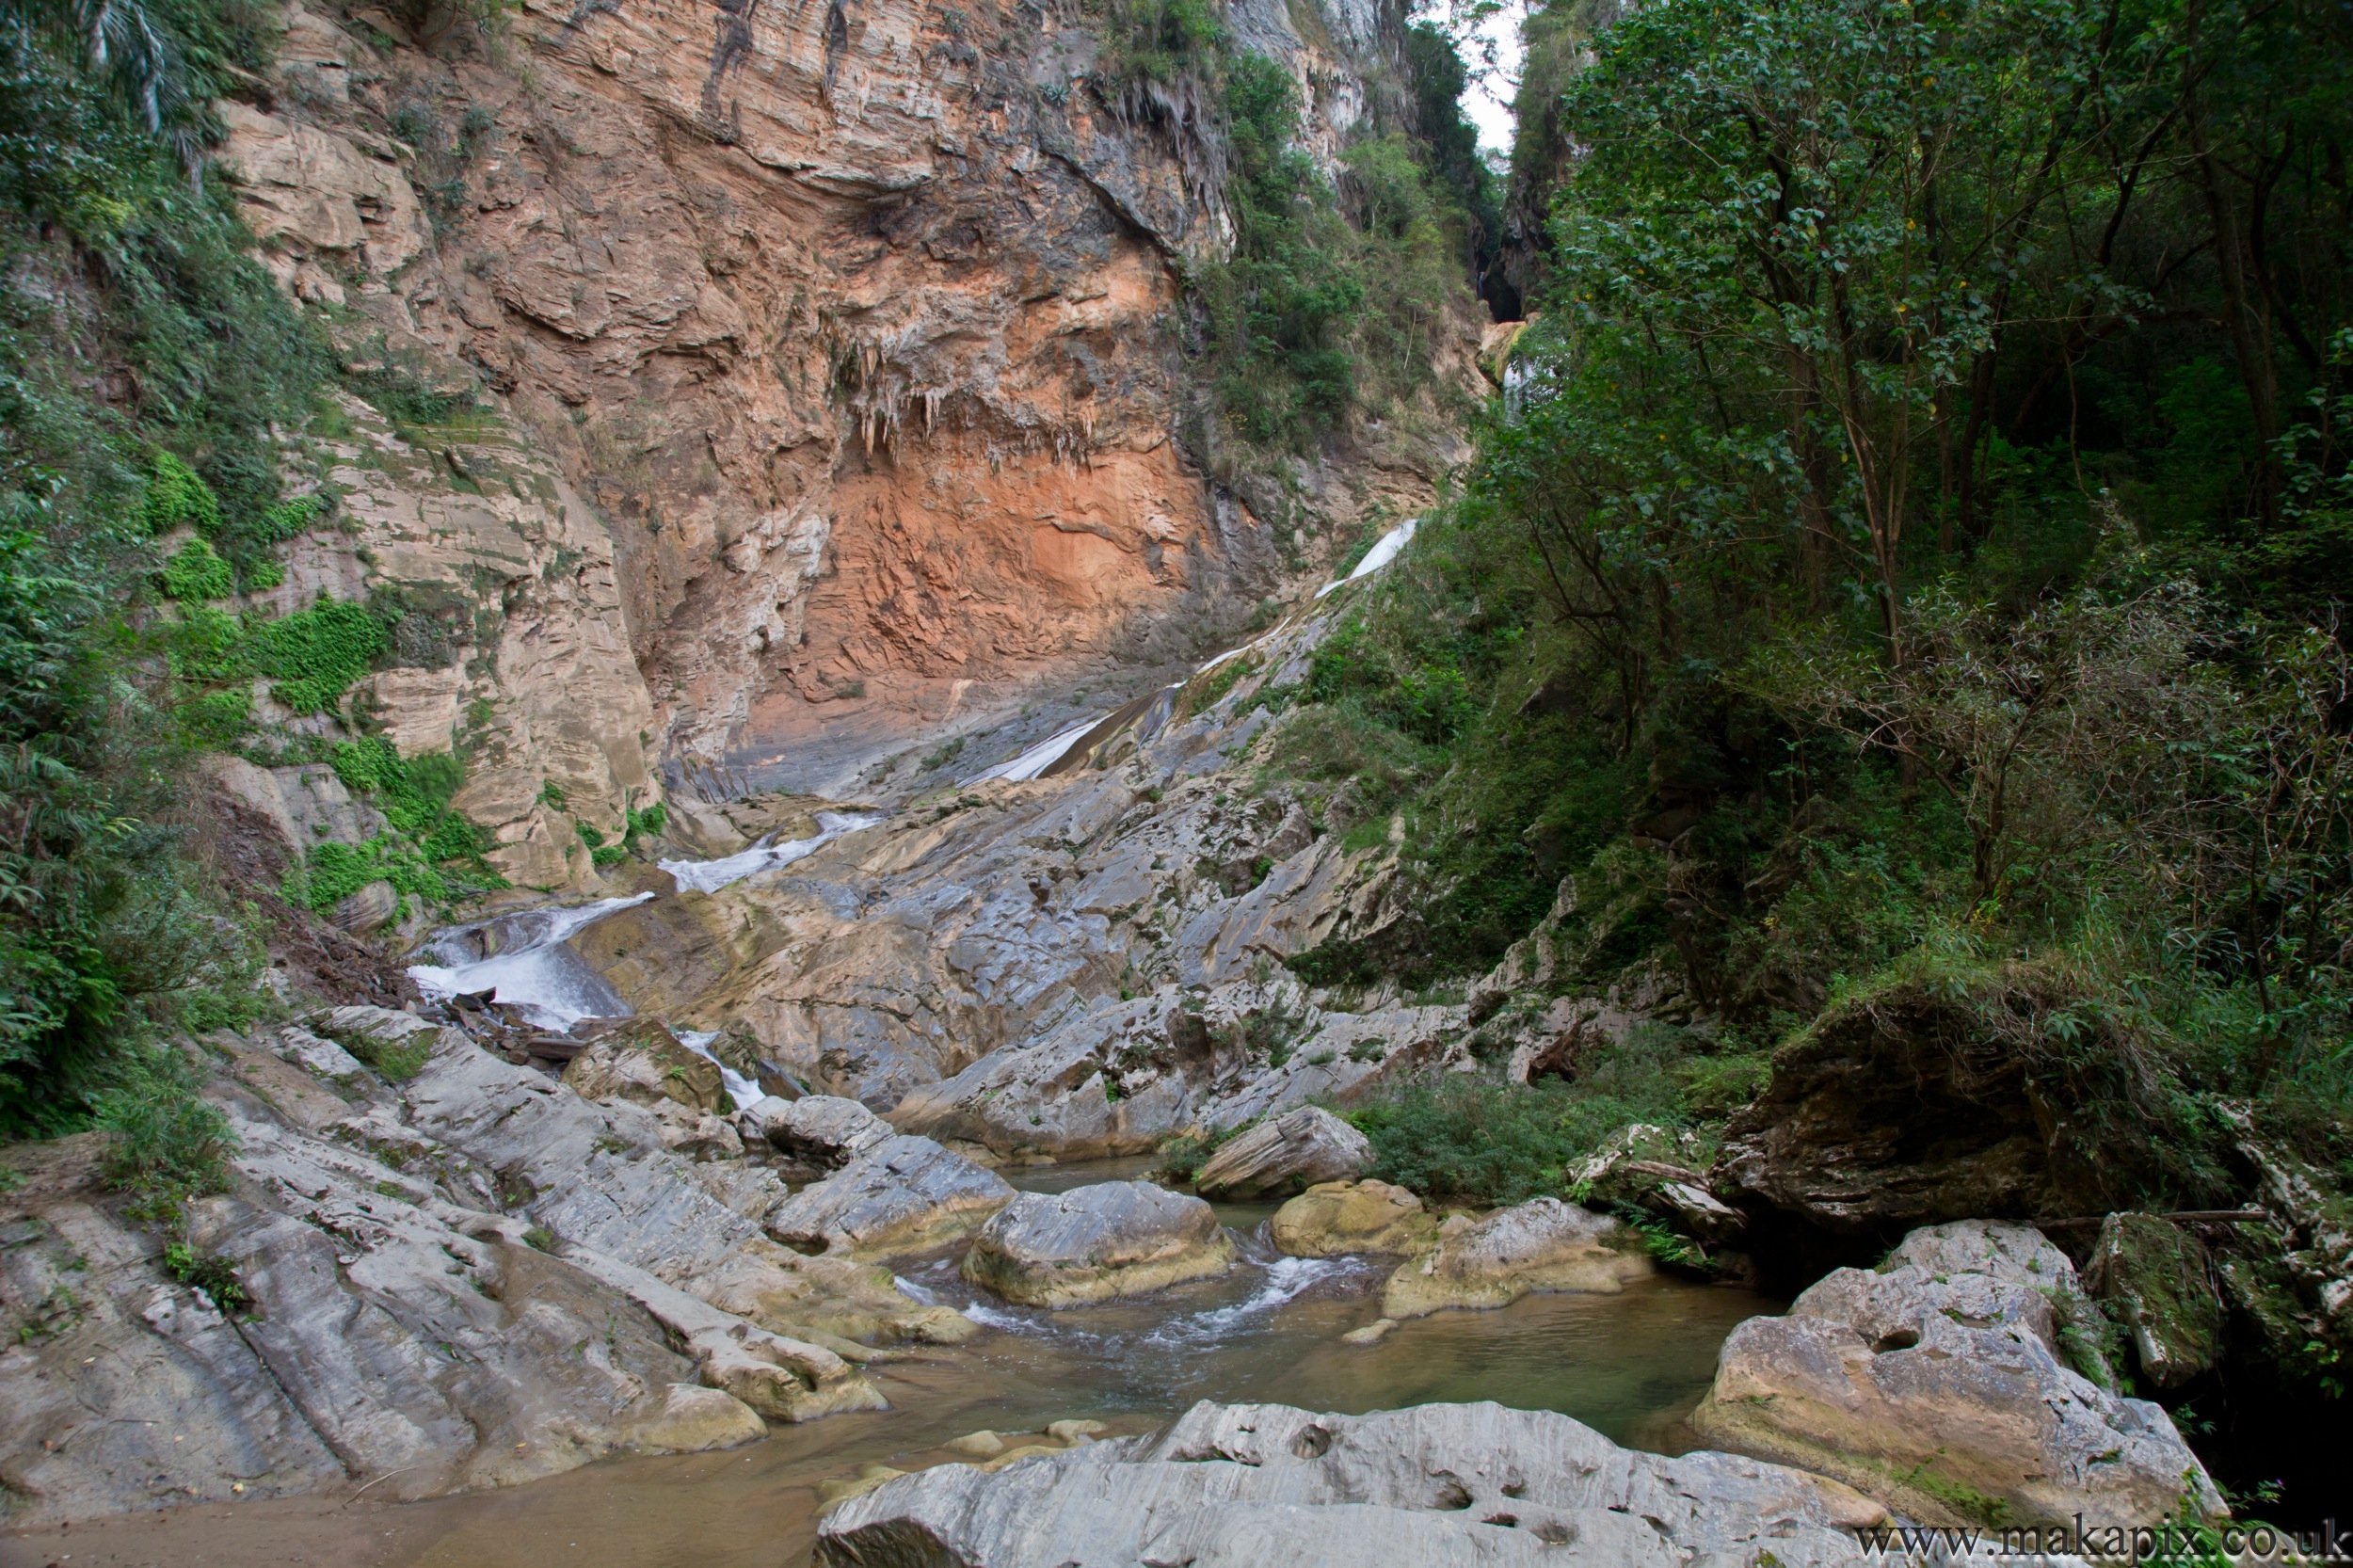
x,y
744,1091
1040,757
521,959
1034,763
1383,550
708,876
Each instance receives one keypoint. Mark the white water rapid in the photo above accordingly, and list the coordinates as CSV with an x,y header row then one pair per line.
x,y
708,876
744,1091
522,960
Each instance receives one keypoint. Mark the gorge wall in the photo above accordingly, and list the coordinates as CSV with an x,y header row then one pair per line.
x,y
844,345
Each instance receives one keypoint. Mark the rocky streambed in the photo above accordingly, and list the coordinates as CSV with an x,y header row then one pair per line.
x,y
813,1158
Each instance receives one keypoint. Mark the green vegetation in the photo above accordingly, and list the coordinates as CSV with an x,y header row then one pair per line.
x,y
1826,594
1182,1157
110,935
1474,1140
165,1145
1334,296
146,362
212,1274
399,1060
431,852
316,654
196,573
1904,590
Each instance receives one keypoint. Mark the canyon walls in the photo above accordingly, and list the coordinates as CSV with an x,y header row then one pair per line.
x,y
846,341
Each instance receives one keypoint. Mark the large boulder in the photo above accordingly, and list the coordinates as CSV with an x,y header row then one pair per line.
x,y
1436,1486
1333,1218
2160,1281
638,1060
1092,1243
824,1131
1938,1385
1543,1244
1294,1151
902,1196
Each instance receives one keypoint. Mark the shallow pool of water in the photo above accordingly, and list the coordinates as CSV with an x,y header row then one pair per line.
x,y
1629,1364
1270,1331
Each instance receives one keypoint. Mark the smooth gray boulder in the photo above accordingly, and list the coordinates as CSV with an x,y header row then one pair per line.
x,y
1936,1385
823,1130
1092,1243
1543,1244
1434,1486
1289,1153
904,1195
324,1058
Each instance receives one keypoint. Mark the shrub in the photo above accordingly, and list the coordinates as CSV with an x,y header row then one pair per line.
x,y
196,572
1182,1157
1477,1141
216,1277
177,496
316,654
398,1061
282,521
166,1144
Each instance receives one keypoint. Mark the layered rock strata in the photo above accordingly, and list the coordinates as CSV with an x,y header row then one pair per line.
x,y
1286,1154
467,1275
902,1196
1082,965
850,335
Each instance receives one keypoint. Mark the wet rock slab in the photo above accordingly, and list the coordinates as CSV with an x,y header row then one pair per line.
x,y
822,1130
1432,1486
1093,1243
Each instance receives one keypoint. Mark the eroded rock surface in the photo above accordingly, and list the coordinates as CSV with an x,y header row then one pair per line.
x,y
823,1130
1287,1153
1942,1386
467,1276
850,342
1078,966
1092,1243
642,1061
1235,1485
1543,1244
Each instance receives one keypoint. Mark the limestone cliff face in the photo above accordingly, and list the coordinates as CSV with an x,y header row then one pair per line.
x,y
854,328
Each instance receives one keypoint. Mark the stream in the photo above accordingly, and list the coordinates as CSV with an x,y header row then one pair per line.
x,y
1629,1364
